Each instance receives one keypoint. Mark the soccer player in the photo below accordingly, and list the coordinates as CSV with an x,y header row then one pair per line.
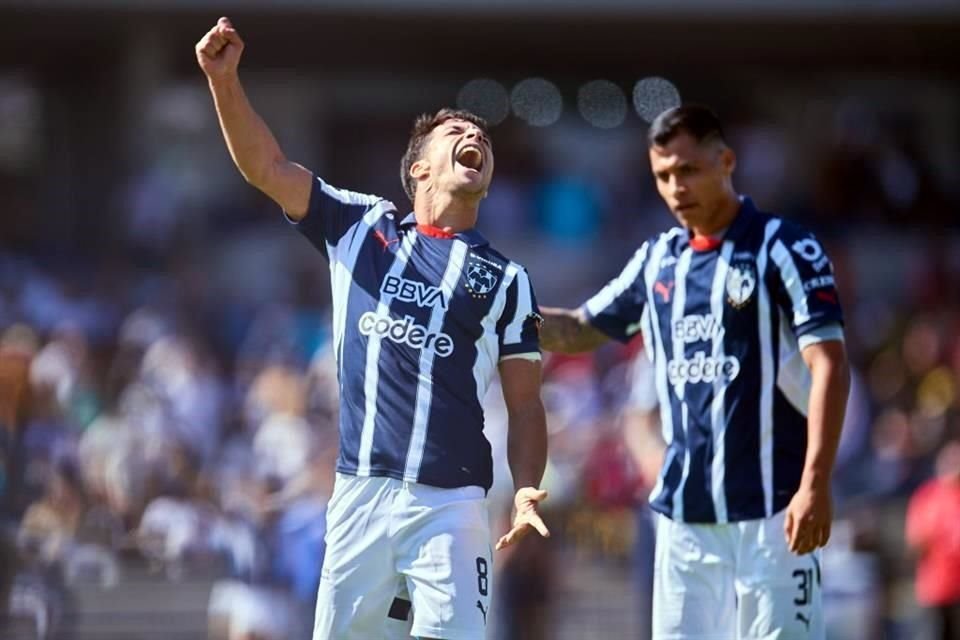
x,y
424,310
740,316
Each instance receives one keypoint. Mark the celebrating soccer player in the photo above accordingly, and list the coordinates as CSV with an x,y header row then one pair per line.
x,y
424,310
739,313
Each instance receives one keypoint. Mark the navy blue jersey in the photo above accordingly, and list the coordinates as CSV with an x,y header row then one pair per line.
x,y
420,321
724,328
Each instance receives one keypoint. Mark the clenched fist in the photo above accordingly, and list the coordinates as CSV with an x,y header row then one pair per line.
x,y
218,52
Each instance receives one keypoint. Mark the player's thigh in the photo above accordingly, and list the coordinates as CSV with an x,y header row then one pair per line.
x,y
693,592
448,563
400,616
779,593
357,582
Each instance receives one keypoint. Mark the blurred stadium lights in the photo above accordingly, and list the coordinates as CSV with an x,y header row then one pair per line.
x,y
537,102
602,103
653,96
487,98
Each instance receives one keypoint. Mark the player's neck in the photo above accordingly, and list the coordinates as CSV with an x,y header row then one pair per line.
x,y
447,212
721,219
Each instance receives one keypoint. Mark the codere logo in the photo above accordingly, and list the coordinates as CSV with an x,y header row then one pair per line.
x,y
407,332
703,368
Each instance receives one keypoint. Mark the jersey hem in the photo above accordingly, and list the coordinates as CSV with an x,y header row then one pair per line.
x,y
745,518
399,475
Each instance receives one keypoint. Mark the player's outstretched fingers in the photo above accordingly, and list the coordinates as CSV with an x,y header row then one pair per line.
x,y
503,542
508,539
537,523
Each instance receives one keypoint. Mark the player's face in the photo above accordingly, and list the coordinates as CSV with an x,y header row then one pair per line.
x,y
459,159
693,178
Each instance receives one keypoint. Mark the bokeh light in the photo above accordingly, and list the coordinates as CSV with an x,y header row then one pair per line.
x,y
487,98
537,102
602,103
653,96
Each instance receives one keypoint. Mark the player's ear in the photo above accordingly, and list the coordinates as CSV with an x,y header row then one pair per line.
x,y
728,160
420,169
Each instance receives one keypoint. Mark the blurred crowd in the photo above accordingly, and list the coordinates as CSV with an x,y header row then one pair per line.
x,y
168,401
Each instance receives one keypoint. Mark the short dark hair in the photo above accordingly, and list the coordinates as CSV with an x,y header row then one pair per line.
x,y
696,120
423,126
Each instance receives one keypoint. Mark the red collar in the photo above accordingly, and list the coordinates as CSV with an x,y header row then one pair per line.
x,y
704,243
434,232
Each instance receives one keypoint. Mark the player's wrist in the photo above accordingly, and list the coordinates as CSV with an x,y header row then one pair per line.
x,y
815,480
223,79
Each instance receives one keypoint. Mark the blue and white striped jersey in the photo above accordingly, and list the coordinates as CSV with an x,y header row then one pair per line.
x,y
420,321
724,328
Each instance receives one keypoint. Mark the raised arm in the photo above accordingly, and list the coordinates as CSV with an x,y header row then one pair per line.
x,y
253,147
526,444
567,331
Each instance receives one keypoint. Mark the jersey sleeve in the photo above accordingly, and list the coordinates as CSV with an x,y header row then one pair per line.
x,y
331,213
519,325
804,286
616,309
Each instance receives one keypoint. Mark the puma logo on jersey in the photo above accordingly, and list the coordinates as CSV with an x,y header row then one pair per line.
x,y
663,289
382,239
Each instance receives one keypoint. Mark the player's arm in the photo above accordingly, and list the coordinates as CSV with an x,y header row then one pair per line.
x,y
614,312
810,513
568,331
526,443
806,292
252,145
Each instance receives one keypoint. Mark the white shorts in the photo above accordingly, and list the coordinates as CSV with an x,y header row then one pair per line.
x,y
737,580
385,536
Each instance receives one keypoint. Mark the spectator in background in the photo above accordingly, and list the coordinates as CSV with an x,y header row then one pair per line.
x,y
49,525
18,346
933,530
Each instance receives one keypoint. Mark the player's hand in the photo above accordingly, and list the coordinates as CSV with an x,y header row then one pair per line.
x,y
808,518
218,52
527,518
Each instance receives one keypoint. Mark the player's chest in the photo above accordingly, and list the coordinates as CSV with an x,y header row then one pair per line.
x,y
720,284
434,281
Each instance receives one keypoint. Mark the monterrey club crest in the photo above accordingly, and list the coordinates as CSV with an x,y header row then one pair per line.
x,y
741,283
481,278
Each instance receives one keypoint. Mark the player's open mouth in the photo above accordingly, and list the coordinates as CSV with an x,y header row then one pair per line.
x,y
470,156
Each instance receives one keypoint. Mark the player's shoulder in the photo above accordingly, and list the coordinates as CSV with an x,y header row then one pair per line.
x,y
776,226
349,197
495,258
670,240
